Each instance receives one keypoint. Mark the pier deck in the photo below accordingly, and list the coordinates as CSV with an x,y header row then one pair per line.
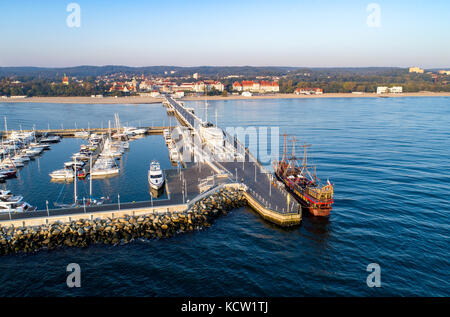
x,y
266,195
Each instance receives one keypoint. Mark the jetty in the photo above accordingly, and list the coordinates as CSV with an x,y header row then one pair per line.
x,y
71,132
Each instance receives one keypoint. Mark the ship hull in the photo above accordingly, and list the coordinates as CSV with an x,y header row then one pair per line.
x,y
319,212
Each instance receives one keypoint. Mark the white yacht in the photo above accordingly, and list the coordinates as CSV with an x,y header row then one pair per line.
x,y
62,174
212,135
15,207
51,139
71,164
81,134
104,167
5,194
155,175
33,151
110,150
10,199
133,131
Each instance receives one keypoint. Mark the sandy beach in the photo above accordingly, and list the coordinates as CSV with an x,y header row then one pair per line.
x,y
149,100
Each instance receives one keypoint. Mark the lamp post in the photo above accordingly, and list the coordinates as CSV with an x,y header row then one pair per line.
x,y
46,204
118,200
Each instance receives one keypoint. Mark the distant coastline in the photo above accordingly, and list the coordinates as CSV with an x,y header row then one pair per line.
x,y
150,100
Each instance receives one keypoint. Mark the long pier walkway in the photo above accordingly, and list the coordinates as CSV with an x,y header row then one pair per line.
x,y
264,193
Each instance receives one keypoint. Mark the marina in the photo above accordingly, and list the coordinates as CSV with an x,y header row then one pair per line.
x,y
232,165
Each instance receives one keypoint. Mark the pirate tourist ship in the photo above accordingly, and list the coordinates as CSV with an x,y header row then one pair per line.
x,y
301,180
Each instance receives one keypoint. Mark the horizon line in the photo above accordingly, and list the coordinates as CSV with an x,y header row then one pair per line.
x,y
200,66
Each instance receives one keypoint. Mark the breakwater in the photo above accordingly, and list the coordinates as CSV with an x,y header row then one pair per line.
x,y
121,230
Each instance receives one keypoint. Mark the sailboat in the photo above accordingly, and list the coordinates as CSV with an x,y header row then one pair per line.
x,y
85,201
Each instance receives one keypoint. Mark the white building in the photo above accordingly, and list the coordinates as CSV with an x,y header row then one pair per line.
x,y
201,86
178,94
154,94
382,90
396,90
195,76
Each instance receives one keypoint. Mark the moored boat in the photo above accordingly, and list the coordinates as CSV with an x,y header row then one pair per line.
x,y
155,175
303,182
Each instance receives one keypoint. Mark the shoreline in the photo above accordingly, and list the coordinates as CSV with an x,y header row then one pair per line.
x,y
151,100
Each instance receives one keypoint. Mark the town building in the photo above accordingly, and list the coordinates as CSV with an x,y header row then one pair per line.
x,y
256,86
195,76
65,80
444,72
120,86
392,90
237,86
154,94
396,90
208,85
267,86
178,94
308,91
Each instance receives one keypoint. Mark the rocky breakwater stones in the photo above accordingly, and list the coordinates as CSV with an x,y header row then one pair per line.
x,y
81,233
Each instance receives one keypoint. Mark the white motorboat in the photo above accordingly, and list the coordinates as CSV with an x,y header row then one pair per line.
x,y
62,174
18,162
23,157
104,167
5,194
81,134
33,151
71,164
16,207
110,150
80,157
155,175
134,131
36,145
8,163
51,139
9,200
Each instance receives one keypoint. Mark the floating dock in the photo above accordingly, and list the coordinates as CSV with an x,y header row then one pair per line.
x,y
72,132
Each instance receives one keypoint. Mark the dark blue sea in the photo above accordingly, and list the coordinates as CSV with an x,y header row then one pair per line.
x,y
389,161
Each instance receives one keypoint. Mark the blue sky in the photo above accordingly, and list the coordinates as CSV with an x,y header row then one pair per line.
x,y
197,32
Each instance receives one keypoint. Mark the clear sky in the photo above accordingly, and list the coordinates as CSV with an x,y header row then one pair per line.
x,y
246,32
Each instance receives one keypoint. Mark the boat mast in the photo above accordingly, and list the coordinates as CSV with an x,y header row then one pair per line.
x,y
75,181
293,160
90,178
